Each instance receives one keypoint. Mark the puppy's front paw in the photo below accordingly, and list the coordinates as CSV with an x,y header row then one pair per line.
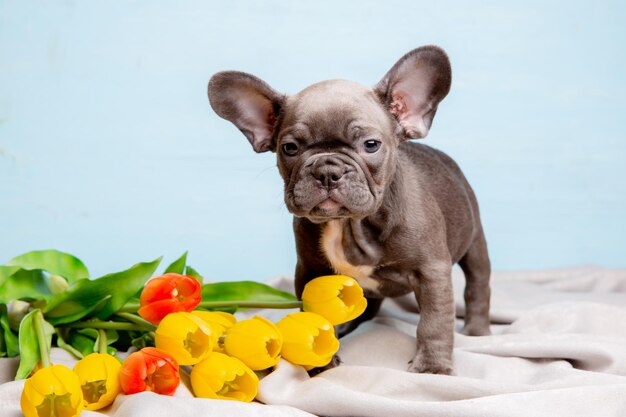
x,y
430,364
476,329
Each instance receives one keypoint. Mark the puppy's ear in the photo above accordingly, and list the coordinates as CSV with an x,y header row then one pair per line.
x,y
249,103
413,88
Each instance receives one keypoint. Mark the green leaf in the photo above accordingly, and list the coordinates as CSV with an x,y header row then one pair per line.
x,y
243,291
11,342
124,285
91,333
29,344
178,266
54,262
74,310
24,285
189,271
119,286
60,341
84,344
112,335
6,272
85,341
3,346
142,341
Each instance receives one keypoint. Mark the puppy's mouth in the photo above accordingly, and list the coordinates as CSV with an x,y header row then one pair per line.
x,y
329,208
319,205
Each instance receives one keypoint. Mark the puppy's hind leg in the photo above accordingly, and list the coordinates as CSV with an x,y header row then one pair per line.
x,y
477,269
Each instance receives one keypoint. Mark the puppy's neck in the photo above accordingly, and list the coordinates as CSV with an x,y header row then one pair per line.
x,y
335,233
392,209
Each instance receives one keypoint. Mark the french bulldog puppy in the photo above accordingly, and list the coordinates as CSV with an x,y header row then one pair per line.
x,y
367,203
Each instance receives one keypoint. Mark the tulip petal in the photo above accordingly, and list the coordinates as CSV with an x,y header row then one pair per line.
x,y
221,317
167,294
156,311
338,298
309,339
159,288
99,376
149,369
256,341
223,377
52,392
184,336
133,374
218,322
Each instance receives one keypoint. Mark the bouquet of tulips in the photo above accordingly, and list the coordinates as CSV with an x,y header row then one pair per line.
x,y
48,299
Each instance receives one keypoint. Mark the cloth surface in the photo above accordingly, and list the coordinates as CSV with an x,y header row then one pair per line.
x,y
558,349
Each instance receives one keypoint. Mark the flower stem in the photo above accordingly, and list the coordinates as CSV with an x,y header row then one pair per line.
x,y
132,307
44,354
129,308
67,347
136,320
250,304
99,324
103,342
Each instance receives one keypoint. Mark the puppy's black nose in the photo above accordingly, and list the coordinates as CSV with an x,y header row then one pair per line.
x,y
328,172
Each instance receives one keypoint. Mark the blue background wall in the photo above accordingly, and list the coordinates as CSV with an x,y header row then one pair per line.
x,y
109,149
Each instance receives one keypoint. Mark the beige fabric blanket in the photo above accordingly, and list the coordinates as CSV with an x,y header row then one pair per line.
x,y
558,349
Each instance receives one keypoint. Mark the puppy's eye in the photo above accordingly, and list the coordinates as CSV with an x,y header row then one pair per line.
x,y
371,145
290,149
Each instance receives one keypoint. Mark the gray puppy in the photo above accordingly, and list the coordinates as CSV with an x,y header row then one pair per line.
x,y
367,203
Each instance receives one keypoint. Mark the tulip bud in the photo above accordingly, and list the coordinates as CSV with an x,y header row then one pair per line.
x,y
168,293
218,322
52,392
309,339
184,336
149,369
56,284
338,298
223,377
99,376
256,342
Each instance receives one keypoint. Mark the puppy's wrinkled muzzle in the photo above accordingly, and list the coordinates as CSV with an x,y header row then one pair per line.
x,y
329,186
328,171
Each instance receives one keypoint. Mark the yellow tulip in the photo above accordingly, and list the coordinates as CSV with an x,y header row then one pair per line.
x,y
222,377
309,339
53,391
185,337
218,322
99,375
256,342
338,298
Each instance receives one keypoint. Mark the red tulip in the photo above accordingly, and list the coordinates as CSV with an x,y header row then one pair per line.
x,y
149,369
169,293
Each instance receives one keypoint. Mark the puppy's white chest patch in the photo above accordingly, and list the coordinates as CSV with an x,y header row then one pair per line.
x,y
332,245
